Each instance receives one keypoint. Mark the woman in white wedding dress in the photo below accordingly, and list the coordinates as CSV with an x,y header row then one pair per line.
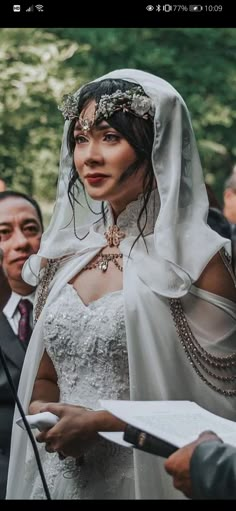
x,y
136,296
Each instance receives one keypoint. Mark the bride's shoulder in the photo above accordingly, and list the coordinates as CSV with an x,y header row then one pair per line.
x,y
218,278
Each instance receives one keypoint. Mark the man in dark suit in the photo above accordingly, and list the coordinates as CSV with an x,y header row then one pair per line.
x,y
21,228
205,468
4,285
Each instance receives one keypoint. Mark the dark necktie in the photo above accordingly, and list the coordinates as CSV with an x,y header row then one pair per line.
x,y
24,328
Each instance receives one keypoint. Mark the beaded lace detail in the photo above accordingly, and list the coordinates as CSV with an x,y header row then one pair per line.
x,y
213,370
126,224
93,339
87,345
127,219
42,290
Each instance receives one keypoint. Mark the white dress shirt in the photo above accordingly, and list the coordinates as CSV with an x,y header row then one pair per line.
x,y
11,310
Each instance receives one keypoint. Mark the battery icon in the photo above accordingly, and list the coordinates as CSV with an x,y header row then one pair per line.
x,y
195,8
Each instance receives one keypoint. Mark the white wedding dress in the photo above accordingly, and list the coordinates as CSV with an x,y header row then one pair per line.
x,y
181,348
87,345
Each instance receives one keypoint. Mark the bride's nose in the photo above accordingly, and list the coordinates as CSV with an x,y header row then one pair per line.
x,y
93,154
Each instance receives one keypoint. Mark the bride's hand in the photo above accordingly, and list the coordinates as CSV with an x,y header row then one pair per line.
x,y
77,429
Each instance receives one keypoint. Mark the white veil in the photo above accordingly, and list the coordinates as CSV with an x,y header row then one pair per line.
x,y
181,229
184,243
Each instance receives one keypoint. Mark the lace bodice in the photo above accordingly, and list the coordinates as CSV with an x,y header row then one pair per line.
x,y
87,345
127,219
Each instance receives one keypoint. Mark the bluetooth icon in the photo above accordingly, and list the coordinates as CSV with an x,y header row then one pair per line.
x,y
158,8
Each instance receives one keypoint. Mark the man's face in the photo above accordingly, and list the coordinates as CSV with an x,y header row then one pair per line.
x,y
20,234
230,205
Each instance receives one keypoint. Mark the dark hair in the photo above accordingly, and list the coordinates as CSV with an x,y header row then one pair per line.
x,y
10,193
217,221
231,181
137,131
213,201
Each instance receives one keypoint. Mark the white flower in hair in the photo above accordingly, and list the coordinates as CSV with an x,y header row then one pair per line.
x,y
132,100
69,107
142,106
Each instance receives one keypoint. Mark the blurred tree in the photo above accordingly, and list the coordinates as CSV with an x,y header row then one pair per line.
x,y
199,62
33,81
37,68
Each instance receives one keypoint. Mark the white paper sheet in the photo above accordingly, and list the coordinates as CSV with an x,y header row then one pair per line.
x,y
177,422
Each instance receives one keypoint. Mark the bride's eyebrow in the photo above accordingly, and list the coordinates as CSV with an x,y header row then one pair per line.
x,y
103,125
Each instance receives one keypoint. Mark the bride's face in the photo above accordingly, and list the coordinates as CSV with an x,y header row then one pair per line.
x,y
101,156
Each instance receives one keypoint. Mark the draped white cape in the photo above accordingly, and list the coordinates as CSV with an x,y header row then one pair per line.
x,y
179,249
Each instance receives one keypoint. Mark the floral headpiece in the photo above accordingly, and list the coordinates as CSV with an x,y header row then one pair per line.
x,y
132,100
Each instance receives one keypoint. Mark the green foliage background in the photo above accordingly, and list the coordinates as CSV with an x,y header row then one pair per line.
x,y
38,66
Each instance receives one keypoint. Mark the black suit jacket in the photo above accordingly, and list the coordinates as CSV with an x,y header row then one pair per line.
x,y
213,471
14,353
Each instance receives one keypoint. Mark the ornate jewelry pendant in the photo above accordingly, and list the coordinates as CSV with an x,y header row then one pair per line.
x,y
86,124
103,265
114,236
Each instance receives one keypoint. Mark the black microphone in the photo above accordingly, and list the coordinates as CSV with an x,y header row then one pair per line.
x,y
22,413
149,443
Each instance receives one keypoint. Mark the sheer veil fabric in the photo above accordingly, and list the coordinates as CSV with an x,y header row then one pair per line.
x,y
181,225
181,246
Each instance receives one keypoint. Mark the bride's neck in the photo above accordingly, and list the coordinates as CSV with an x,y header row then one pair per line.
x,y
117,207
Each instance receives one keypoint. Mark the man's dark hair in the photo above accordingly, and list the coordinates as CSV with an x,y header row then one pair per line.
x,y
231,181
219,223
10,193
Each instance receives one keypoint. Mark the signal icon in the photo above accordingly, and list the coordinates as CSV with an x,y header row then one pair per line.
x,y
30,9
39,8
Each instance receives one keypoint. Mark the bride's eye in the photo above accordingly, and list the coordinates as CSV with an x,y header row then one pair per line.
x,y
111,137
80,139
